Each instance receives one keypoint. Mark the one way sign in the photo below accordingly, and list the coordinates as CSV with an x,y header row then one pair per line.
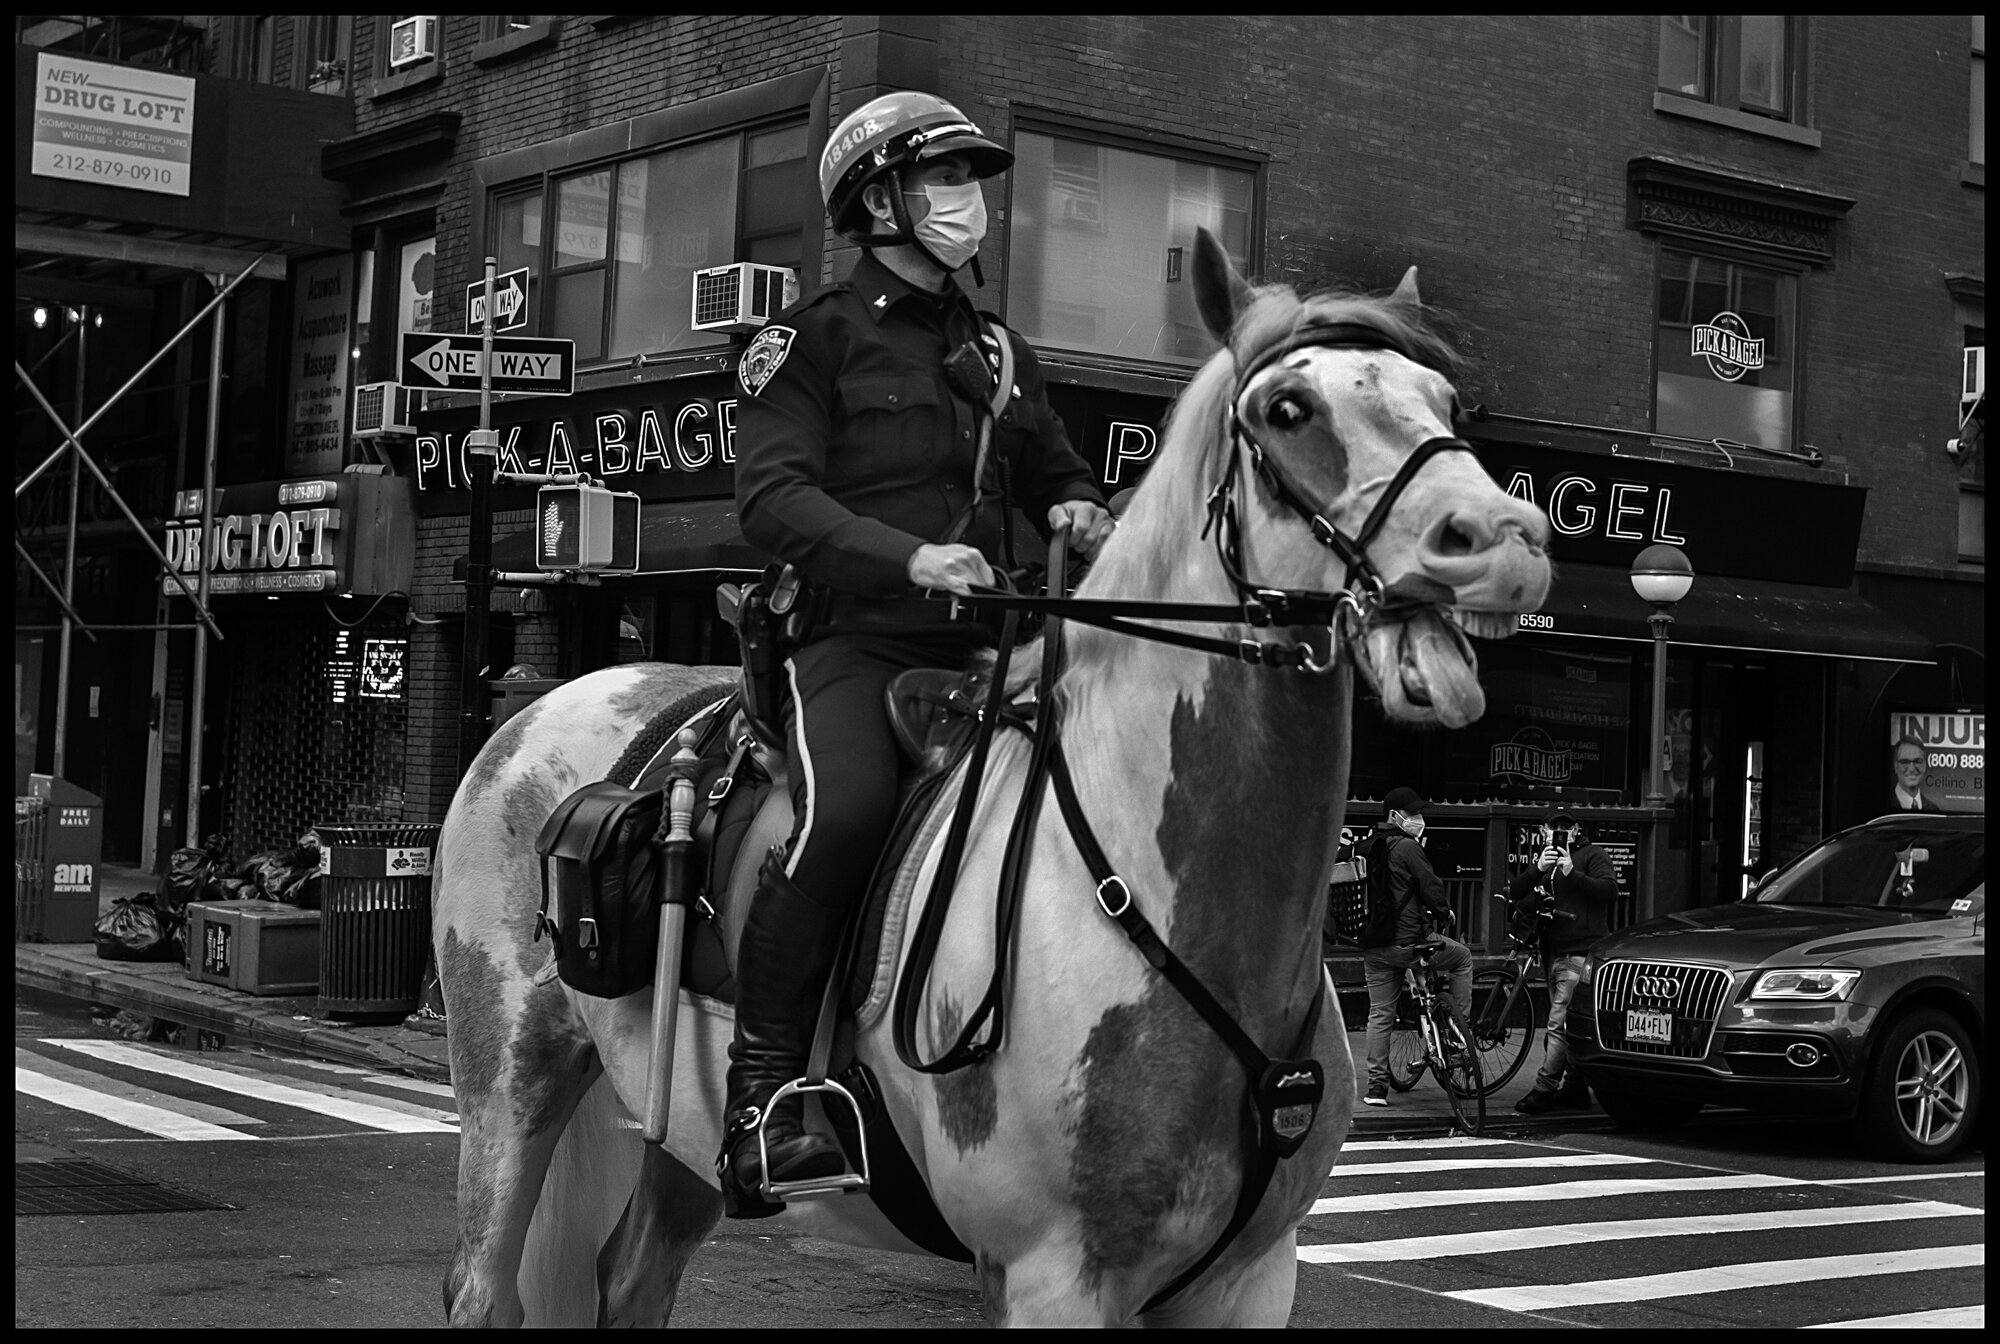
x,y
536,364
510,302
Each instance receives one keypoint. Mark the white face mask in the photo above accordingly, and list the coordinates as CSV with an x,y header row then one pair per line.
x,y
952,231
1413,827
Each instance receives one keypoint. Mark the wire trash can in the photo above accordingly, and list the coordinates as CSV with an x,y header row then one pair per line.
x,y
375,917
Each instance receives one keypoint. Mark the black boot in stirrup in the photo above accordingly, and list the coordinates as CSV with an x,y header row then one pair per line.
x,y
788,948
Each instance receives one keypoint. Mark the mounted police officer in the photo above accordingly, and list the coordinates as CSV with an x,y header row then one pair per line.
x,y
871,458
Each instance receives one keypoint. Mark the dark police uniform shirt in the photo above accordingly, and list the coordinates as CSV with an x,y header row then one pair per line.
x,y
853,449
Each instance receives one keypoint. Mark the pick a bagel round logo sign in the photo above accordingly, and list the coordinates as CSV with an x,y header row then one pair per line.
x,y
1725,342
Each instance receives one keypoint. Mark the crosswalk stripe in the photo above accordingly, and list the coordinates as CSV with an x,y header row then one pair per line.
x,y
120,1110
383,1079
308,1084
1918,1176
1408,1145
1723,1278
118,1087
1398,1200
1938,1318
1577,1234
393,1119
1436,1164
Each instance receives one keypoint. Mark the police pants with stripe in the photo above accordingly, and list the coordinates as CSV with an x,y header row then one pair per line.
x,y
845,764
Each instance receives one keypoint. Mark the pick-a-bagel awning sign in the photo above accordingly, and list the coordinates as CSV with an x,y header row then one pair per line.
x,y
114,125
434,361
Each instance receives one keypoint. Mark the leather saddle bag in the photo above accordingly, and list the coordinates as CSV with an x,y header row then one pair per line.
x,y
600,887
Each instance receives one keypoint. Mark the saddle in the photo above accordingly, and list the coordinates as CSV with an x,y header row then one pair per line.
x,y
601,870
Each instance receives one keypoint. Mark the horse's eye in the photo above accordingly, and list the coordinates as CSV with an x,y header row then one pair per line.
x,y
1287,412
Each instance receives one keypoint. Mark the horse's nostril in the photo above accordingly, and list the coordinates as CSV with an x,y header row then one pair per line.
x,y
1454,540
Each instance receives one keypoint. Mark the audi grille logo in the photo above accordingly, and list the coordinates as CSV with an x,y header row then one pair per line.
x,y
1661,987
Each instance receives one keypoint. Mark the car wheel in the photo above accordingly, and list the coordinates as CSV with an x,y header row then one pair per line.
x,y
1920,1102
1635,1110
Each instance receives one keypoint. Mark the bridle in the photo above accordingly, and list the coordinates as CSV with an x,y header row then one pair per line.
x,y
1363,602
1366,598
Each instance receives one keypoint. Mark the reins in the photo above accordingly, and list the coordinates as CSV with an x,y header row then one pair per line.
x,y
1285,1094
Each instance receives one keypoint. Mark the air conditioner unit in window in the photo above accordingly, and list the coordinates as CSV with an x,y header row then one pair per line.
x,y
411,40
385,408
1975,374
742,296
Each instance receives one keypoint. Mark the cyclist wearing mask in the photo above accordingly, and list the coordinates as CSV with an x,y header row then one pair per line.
x,y
1416,900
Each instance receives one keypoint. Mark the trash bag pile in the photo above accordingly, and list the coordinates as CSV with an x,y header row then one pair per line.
x,y
152,926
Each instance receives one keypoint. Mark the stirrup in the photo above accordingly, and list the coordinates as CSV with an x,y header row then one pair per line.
x,y
811,1187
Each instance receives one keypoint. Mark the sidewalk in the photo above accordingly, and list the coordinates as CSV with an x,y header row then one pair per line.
x,y
417,1048
163,989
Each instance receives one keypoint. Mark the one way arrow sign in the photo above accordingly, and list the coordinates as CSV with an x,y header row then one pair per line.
x,y
510,302
537,364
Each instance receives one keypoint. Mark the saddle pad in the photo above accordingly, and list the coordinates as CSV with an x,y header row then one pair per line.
x,y
885,912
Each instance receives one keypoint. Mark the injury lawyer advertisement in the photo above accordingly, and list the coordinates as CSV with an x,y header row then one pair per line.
x,y
1952,744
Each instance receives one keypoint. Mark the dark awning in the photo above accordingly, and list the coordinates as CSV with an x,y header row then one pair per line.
x,y
675,537
1597,602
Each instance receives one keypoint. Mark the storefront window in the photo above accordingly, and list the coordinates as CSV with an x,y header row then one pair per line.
x,y
620,282
1100,240
1725,358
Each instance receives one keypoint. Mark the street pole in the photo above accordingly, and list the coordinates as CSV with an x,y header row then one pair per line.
x,y
69,558
482,456
1656,773
198,697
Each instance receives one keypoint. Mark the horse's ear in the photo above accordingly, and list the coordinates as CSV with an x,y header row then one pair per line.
x,y
1406,292
1220,294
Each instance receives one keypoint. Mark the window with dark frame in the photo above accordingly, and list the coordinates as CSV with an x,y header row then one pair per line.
x,y
1725,357
1099,231
1976,147
1747,63
620,281
324,52
1972,457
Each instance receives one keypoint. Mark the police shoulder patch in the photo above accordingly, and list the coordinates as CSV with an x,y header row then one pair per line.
x,y
767,351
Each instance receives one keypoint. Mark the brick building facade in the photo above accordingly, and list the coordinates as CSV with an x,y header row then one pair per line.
x,y
1555,180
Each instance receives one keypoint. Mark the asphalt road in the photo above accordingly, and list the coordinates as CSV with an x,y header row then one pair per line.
x,y
340,1187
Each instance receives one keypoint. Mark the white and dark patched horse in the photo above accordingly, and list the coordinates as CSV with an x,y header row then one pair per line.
x,y
1100,1152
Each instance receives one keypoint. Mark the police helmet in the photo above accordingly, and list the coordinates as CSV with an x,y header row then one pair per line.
x,y
885,136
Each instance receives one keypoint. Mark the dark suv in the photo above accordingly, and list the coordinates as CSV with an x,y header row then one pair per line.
x,y
1850,984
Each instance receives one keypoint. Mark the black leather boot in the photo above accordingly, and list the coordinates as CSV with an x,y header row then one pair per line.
x,y
788,948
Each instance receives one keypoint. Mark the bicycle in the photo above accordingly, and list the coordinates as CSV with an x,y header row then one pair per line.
x,y
1437,1040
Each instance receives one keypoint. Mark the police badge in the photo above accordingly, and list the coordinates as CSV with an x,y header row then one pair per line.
x,y
763,357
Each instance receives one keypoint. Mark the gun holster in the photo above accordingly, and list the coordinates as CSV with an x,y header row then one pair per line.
x,y
763,660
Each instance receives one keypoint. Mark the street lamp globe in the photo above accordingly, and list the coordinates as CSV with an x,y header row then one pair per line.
x,y
1662,575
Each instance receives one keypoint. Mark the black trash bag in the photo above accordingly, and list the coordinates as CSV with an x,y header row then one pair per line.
x,y
281,874
191,875
136,930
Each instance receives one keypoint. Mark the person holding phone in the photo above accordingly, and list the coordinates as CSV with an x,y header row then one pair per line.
x,y
1577,877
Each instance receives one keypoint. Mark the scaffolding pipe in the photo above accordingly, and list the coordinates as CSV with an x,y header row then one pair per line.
x,y
54,592
69,560
205,550
75,436
201,608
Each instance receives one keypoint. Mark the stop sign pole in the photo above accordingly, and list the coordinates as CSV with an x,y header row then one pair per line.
x,y
482,458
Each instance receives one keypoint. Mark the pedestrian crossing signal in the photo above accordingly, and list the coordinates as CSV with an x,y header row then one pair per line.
x,y
587,529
